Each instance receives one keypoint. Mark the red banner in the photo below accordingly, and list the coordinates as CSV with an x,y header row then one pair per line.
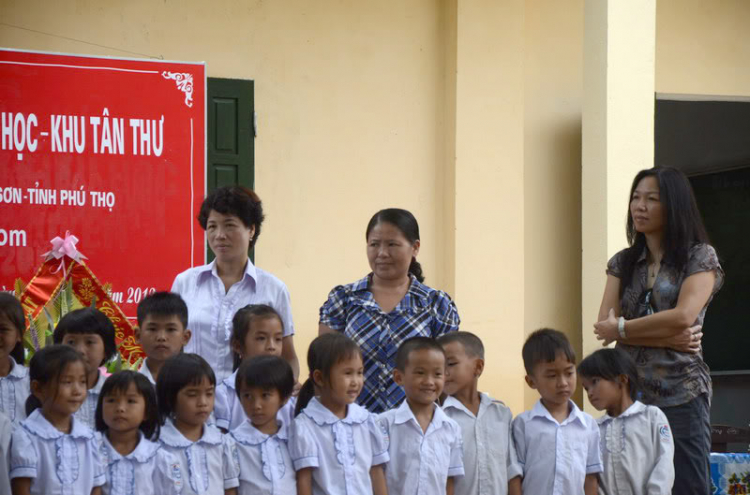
x,y
112,150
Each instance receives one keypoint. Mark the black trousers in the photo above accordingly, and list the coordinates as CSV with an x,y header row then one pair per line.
x,y
691,429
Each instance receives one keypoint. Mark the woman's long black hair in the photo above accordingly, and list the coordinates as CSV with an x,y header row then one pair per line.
x,y
683,225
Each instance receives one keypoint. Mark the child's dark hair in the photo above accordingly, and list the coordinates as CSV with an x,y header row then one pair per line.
x,y
241,324
543,346
118,383
163,304
11,308
177,373
470,342
266,373
415,344
46,366
610,364
323,354
84,321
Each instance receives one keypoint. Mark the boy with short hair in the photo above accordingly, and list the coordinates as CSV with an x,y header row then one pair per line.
x,y
556,442
162,330
490,459
423,442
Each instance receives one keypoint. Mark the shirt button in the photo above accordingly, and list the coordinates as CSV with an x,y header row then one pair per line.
x,y
382,389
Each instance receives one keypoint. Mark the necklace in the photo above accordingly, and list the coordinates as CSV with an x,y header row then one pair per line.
x,y
653,268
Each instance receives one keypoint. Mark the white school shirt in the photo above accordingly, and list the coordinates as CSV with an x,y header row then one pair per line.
x,y
265,465
341,451
556,457
6,430
208,465
489,452
143,370
56,462
148,470
637,450
14,390
228,412
87,412
421,462
211,309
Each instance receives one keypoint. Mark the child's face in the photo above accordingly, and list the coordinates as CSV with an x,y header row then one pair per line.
x,y
555,380
195,402
124,412
9,336
90,345
162,336
66,396
260,406
263,338
423,376
603,394
345,381
461,370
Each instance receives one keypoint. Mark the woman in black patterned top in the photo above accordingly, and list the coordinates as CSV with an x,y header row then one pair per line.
x,y
654,303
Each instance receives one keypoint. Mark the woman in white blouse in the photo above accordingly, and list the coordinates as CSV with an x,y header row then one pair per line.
x,y
232,217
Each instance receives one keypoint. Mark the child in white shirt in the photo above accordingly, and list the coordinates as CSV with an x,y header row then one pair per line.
x,y
51,451
557,444
14,377
490,462
185,394
423,442
337,446
636,441
264,384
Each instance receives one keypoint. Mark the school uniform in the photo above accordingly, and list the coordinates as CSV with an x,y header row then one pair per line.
x,y
228,412
209,465
14,390
265,466
341,451
637,450
148,470
556,457
6,430
57,462
421,462
489,452
143,370
87,412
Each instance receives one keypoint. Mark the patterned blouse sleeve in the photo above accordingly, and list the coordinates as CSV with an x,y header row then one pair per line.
x,y
614,267
703,258
333,312
445,314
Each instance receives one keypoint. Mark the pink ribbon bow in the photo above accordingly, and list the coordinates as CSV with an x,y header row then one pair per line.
x,y
62,248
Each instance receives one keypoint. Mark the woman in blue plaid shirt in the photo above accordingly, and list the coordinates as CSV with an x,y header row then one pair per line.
x,y
388,306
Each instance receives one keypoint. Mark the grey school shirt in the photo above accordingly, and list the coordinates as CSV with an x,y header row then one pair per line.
x,y
667,377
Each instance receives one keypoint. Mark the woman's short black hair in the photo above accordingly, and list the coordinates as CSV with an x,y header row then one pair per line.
x,y
45,367
404,221
610,364
11,308
265,372
88,321
543,345
241,324
177,373
234,200
118,383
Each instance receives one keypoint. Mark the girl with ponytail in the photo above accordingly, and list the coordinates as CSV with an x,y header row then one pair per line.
x,y
388,306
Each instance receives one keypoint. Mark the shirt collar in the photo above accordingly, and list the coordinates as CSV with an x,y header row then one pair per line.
x,y
231,380
636,407
250,270
146,372
485,401
17,371
404,414
643,255
575,414
248,434
323,416
37,424
99,382
144,451
171,436
417,290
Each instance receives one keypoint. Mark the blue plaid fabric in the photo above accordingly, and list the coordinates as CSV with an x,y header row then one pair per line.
x,y
422,312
